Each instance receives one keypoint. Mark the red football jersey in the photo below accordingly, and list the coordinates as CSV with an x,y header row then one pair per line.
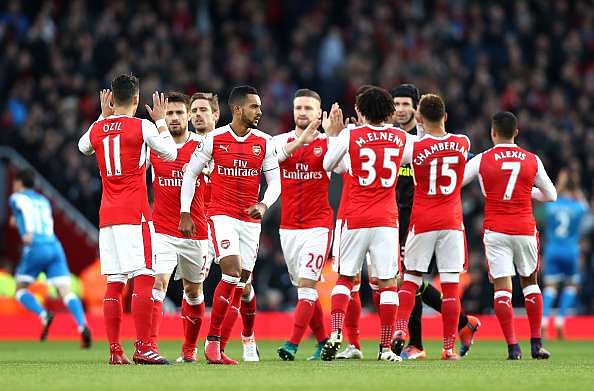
x,y
120,151
167,180
304,182
438,170
369,197
238,164
507,174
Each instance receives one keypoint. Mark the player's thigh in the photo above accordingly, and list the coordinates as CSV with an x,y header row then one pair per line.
x,y
29,266
499,254
57,271
225,236
291,242
129,249
249,241
191,261
525,254
354,244
314,251
384,251
165,252
335,247
419,249
450,251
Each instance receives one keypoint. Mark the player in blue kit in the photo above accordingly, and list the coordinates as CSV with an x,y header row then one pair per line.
x,y
42,253
564,221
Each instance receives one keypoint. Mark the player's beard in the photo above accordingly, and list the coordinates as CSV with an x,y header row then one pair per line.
x,y
251,123
302,123
177,131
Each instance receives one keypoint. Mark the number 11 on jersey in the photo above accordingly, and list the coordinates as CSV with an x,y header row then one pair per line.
x,y
116,155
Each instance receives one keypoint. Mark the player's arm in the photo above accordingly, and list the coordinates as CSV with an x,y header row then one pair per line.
x,y
200,158
273,183
408,148
307,136
158,137
471,169
22,210
545,190
107,109
343,166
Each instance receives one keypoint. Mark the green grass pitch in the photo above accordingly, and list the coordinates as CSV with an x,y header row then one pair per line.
x,y
62,366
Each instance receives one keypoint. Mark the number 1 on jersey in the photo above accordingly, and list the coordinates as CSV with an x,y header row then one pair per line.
x,y
116,155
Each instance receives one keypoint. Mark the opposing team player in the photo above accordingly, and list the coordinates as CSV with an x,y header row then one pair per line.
x,y
125,228
563,229
406,99
507,174
171,249
240,155
436,226
305,232
42,253
374,152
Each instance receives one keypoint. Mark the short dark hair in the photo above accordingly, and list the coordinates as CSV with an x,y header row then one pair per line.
x,y
407,91
239,93
361,90
375,104
307,93
211,97
174,96
26,177
432,107
505,123
124,87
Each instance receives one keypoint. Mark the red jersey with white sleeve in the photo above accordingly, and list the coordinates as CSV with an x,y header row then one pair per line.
x,y
119,144
304,183
375,154
237,166
438,169
507,174
167,181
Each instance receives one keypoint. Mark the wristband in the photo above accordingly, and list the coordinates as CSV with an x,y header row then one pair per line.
x,y
161,123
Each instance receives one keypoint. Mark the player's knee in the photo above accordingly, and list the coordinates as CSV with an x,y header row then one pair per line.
x,y
160,283
386,283
192,290
307,283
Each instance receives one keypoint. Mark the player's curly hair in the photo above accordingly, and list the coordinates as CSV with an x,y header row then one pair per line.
x,y
174,96
432,107
124,87
376,105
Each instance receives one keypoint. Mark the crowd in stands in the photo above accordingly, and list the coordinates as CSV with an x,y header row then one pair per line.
x,y
535,58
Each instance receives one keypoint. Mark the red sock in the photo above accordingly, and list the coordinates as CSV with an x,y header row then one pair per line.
x,y
142,306
222,297
505,314
533,303
341,296
231,317
450,312
351,320
247,309
387,312
406,297
375,295
156,318
192,315
316,324
303,315
112,310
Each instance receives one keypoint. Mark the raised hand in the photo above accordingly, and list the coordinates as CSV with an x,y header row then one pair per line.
x,y
159,106
106,100
310,133
337,123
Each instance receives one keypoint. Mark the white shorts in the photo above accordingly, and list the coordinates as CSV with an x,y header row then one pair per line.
x,y
305,252
381,243
126,248
449,246
187,254
504,251
209,257
235,237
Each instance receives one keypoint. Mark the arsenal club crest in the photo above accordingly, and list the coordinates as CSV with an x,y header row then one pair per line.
x,y
256,149
225,243
317,151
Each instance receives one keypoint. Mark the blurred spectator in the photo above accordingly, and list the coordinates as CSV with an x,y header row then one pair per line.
x,y
535,58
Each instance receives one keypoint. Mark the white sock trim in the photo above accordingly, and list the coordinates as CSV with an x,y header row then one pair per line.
x,y
159,295
418,280
241,285
357,287
20,293
230,279
389,297
502,293
449,278
250,296
310,294
68,297
341,290
117,278
530,289
194,300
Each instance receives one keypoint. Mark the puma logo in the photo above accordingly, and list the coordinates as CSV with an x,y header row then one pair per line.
x,y
224,148
506,302
533,301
